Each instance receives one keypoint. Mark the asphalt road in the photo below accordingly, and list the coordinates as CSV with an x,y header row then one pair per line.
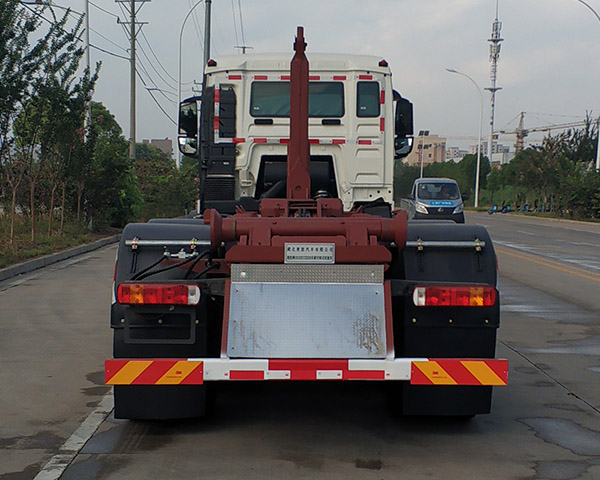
x,y
54,337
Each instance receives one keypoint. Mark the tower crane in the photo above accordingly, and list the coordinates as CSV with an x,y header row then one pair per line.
x,y
521,132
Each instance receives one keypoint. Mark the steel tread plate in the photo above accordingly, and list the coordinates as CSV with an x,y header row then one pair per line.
x,y
293,273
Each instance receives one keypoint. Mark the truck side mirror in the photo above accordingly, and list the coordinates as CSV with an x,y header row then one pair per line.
x,y
403,126
188,126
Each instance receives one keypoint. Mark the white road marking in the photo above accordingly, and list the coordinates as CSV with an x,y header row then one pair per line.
x,y
577,243
59,462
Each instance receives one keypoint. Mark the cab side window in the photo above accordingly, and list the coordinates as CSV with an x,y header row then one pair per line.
x,y
367,101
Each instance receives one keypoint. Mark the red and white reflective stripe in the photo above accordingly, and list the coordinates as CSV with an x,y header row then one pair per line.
x,y
231,140
217,96
284,141
321,369
419,371
286,77
369,142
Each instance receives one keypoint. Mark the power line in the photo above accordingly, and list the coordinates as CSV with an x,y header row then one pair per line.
x,y
158,60
38,14
221,36
108,39
103,10
109,53
166,82
237,39
155,100
196,26
241,23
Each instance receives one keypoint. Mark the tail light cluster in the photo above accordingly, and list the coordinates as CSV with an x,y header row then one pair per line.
x,y
450,296
158,294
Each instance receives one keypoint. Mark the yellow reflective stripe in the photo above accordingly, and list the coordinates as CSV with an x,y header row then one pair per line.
x,y
177,373
434,372
484,374
129,373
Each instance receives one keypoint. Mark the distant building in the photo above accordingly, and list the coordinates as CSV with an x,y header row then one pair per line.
x,y
428,148
496,148
165,145
455,153
502,158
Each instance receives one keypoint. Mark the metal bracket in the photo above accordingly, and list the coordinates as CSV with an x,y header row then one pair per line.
x,y
180,255
192,244
420,244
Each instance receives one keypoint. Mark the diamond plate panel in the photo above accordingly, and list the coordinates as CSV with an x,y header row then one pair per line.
x,y
306,320
281,273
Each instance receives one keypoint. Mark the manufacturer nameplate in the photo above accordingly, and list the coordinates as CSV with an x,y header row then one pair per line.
x,y
310,253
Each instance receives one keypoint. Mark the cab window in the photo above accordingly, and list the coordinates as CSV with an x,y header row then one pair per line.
x,y
367,99
272,99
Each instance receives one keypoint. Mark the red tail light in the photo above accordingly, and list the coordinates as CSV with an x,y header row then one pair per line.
x,y
442,296
158,294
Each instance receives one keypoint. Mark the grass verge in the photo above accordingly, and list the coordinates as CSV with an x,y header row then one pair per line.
x,y
22,248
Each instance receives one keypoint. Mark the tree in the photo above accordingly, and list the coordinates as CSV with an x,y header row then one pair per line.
x,y
558,175
54,111
166,191
19,63
111,194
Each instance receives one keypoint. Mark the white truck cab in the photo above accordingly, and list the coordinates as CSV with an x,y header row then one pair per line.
x,y
357,125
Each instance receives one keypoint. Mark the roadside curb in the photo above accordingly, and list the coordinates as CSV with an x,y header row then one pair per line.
x,y
41,262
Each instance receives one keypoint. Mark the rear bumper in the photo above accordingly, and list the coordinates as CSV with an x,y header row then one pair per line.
x,y
416,371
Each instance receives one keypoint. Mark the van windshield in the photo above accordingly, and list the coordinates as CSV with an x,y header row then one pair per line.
x,y
438,191
272,99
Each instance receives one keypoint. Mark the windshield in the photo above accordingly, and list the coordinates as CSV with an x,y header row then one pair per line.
x,y
272,99
438,191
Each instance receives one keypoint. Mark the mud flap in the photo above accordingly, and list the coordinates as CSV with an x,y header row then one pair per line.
x,y
149,402
138,333
446,332
445,400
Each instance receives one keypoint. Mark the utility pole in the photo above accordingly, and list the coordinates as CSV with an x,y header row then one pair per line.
x,y
598,145
88,117
132,83
495,42
132,70
207,13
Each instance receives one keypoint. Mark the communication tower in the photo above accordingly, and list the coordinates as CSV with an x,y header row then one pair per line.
x,y
495,44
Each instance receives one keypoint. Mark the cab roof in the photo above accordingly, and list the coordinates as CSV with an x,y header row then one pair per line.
x,y
435,179
280,62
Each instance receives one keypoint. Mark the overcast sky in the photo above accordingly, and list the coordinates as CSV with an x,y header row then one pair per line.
x,y
549,66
